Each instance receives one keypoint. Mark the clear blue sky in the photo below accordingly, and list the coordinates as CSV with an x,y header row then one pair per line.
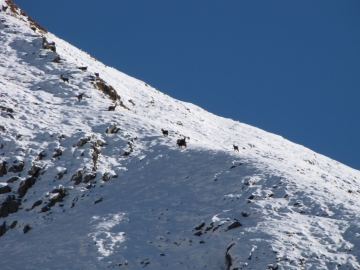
x,y
289,67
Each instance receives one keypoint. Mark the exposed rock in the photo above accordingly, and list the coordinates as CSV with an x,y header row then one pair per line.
x,y
3,169
228,257
2,128
233,225
97,201
5,189
13,224
107,89
89,177
100,143
9,206
107,176
81,142
25,185
17,168
34,171
112,129
41,155
58,152
12,179
200,226
3,229
58,198
48,45
26,228
37,203
77,177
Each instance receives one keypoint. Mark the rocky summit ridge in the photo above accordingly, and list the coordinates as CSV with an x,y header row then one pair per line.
x,y
94,175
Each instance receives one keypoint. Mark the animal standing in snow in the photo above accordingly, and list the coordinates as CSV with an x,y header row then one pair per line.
x,y
80,96
181,142
236,148
64,79
165,132
112,108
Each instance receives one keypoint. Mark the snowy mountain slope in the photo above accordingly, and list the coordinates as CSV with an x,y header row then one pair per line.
x,y
132,199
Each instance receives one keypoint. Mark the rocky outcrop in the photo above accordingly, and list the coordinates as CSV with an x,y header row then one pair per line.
x,y
9,206
61,193
83,141
107,89
112,129
89,177
26,228
3,169
3,229
34,171
25,185
77,177
17,168
5,189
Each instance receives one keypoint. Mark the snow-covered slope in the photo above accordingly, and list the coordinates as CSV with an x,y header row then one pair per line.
x,y
83,187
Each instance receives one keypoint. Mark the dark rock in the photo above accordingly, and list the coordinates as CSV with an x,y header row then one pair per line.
x,y
12,179
2,128
77,177
41,155
234,225
58,152
60,175
5,189
89,177
199,233
126,153
9,206
17,168
106,177
228,257
3,229
200,226
112,129
57,59
34,171
13,224
3,169
27,228
97,201
251,197
58,198
37,203
25,185
82,142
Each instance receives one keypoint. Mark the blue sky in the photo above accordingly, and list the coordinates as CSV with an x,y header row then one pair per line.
x,y
289,67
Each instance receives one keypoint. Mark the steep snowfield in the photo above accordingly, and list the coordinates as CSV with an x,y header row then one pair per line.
x,y
133,199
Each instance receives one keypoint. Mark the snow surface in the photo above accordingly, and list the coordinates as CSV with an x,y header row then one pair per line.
x,y
161,206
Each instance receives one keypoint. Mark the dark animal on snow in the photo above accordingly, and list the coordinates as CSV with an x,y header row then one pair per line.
x,y
63,78
112,108
80,96
165,132
181,142
236,148
4,8
82,68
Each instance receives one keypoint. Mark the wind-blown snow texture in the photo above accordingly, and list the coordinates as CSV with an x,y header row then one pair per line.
x,y
131,198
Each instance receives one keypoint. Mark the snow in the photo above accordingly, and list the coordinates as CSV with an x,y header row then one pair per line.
x,y
272,204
